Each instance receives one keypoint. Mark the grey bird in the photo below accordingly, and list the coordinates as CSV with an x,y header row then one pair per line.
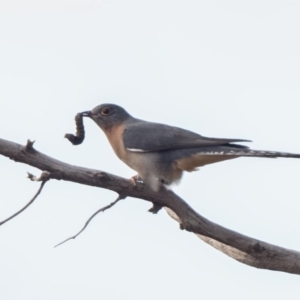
x,y
161,153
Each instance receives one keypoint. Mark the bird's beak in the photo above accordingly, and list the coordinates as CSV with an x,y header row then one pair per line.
x,y
86,113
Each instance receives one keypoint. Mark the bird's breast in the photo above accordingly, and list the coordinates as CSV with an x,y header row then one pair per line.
x,y
134,160
151,166
115,138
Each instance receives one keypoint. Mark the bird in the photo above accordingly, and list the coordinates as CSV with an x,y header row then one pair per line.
x,y
160,153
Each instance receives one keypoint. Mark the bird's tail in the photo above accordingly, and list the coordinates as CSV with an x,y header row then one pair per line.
x,y
190,159
251,153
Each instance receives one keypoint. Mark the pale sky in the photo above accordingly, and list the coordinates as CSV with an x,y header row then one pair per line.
x,y
222,69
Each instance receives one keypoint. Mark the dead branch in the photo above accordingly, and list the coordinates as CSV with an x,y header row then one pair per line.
x,y
103,209
240,247
44,178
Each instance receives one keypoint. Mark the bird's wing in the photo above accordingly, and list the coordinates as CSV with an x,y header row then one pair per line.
x,y
141,136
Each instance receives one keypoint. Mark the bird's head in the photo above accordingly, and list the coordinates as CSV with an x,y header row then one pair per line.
x,y
107,115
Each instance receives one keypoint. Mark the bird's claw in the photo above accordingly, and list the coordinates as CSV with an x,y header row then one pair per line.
x,y
135,179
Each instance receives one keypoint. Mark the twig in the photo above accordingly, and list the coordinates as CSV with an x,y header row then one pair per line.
x,y
29,145
103,209
44,179
45,176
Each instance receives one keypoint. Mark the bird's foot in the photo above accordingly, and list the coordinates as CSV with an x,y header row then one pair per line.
x,y
136,179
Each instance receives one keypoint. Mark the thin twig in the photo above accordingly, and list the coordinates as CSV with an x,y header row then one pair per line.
x,y
29,145
103,209
43,177
29,203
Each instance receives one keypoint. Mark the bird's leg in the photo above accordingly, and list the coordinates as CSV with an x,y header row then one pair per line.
x,y
157,207
138,179
135,179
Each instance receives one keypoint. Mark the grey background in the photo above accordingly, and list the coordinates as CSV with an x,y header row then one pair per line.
x,y
222,69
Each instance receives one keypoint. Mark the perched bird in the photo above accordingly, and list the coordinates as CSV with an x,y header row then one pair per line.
x,y
160,153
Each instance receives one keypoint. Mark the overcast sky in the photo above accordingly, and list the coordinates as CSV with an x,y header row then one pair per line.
x,y
222,69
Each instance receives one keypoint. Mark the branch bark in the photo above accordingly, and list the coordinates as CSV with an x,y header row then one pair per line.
x,y
244,249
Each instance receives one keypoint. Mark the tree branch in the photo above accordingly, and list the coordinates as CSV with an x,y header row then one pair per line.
x,y
44,178
103,209
240,247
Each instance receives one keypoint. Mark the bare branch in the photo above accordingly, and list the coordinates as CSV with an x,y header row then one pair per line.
x,y
245,249
29,145
44,178
103,209
155,208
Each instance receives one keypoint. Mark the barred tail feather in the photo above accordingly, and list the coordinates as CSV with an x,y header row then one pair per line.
x,y
251,153
191,159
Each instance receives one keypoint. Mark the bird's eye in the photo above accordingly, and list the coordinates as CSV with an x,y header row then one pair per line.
x,y
105,111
